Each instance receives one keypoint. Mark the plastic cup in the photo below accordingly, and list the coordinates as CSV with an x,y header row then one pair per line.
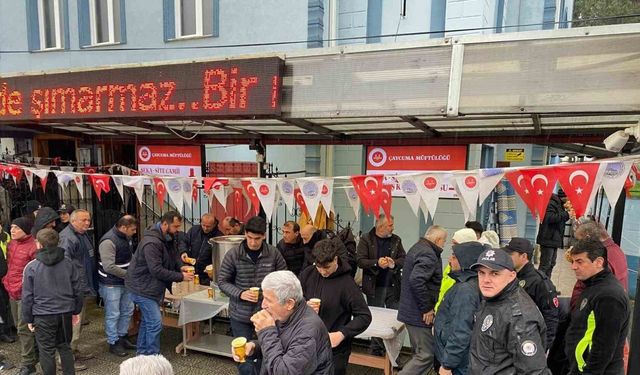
x,y
315,301
210,292
255,290
239,345
190,269
209,270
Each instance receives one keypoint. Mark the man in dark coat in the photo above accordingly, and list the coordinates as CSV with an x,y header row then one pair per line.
x,y
536,284
551,233
421,280
292,339
342,307
509,332
46,219
291,247
454,321
154,268
197,245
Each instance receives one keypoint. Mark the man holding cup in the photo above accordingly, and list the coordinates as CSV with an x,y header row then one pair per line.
x,y
291,337
241,272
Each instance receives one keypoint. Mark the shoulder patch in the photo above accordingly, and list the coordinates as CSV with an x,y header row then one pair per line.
x,y
529,348
583,304
487,323
522,283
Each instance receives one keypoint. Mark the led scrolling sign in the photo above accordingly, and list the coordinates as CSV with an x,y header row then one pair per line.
x,y
203,89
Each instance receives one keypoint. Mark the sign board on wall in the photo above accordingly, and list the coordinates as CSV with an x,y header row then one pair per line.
x,y
202,89
514,154
183,161
391,160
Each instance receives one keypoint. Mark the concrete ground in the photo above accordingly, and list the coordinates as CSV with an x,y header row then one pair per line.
x,y
93,340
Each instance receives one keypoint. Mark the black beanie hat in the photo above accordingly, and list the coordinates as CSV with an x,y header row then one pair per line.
x,y
23,223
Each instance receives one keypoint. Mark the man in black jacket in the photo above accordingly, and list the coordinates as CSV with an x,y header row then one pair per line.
x,y
599,323
454,322
342,307
421,279
536,284
51,294
197,246
291,247
154,268
509,332
242,268
551,234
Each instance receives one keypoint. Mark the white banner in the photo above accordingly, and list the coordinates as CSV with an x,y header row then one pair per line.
x,y
489,178
354,200
326,195
266,192
468,188
137,183
174,189
29,174
117,180
78,179
430,186
187,191
310,188
286,187
221,192
613,179
410,190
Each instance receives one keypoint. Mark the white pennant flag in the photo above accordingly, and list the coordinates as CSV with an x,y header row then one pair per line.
x,y
187,190
410,190
221,192
266,192
310,188
42,173
489,178
286,188
117,180
354,200
425,211
67,169
613,179
174,189
468,188
29,174
137,183
430,186
63,178
79,181
326,195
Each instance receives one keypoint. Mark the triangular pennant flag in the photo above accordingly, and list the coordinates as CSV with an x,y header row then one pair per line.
x,y
578,181
217,187
67,169
237,196
369,188
489,178
326,194
79,181
63,178
266,191
425,211
89,170
310,187
543,182
253,196
387,199
430,186
300,201
174,189
136,183
117,181
468,190
100,183
16,172
613,179
354,200
187,187
286,187
194,190
208,183
522,185
465,207
160,189
42,174
28,173
410,190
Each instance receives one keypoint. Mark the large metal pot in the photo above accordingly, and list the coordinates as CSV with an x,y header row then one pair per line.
x,y
219,247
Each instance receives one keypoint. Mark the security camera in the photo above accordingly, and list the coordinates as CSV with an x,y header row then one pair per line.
x,y
616,141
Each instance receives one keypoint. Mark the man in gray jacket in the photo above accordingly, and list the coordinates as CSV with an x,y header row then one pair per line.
x,y
291,336
242,268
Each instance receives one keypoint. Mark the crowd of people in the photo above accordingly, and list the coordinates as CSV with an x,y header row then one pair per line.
x,y
485,310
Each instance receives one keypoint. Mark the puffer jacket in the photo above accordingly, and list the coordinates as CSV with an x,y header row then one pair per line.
x,y
551,230
238,273
19,254
298,346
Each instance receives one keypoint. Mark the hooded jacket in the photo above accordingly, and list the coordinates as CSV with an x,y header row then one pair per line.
x,y
455,318
51,285
293,254
367,258
343,307
421,280
544,295
298,346
19,254
45,216
551,230
154,266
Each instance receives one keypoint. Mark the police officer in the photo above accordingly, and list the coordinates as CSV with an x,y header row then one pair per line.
x,y
509,332
536,284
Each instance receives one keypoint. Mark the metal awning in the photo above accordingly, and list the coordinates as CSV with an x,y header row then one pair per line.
x,y
556,86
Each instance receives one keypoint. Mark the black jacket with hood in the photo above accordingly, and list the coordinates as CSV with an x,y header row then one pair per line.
x,y
45,216
551,230
342,306
154,266
51,285
367,258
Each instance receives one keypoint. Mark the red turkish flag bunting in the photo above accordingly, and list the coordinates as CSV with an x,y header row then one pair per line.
x,y
253,197
194,190
300,200
208,183
161,190
543,181
387,199
522,186
16,172
100,183
369,189
89,169
577,181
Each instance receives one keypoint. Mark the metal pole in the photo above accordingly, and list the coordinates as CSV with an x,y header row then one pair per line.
x,y
618,217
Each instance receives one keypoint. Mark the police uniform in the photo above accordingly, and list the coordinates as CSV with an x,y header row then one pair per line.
x,y
509,332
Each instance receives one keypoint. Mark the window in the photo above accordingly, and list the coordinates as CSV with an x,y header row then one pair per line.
x,y
193,18
47,25
104,21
